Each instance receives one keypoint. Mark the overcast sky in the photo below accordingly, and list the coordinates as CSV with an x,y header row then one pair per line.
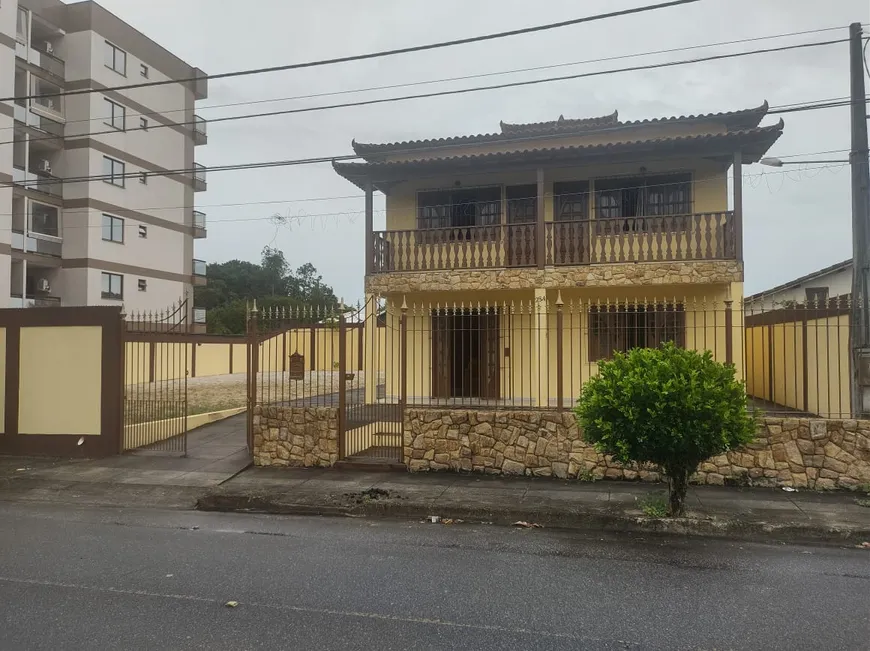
x,y
794,223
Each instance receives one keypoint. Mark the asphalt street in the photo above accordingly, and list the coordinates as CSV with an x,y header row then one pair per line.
x,y
147,579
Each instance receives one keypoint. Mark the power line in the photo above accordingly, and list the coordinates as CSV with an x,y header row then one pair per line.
x,y
382,53
461,91
467,77
695,181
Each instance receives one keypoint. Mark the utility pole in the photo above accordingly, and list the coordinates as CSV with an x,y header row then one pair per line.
x,y
858,159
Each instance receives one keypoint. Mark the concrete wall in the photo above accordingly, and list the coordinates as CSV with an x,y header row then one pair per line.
x,y
803,453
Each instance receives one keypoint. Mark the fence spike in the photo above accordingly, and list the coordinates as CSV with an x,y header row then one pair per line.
x,y
559,301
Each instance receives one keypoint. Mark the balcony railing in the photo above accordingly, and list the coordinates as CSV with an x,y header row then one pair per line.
x,y
199,314
199,182
199,268
200,132
47,61
50,103
198,219
43,245
15,300
44,183
706,236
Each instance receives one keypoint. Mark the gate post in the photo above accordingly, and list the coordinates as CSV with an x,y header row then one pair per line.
x,y
403,358
560,363
342,382
253,360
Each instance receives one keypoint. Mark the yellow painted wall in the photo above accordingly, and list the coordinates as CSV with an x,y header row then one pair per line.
x,y
213,359
60,388
774,357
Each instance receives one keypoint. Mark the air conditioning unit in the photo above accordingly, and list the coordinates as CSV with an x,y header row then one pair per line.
x,y
49,48
49,103
44,166
43,286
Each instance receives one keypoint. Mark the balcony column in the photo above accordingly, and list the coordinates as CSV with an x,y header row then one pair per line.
x,y
540,232
369,236
738,205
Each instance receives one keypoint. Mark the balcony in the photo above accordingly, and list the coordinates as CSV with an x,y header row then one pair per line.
x,y
15,300
199,183
47,60
200,134
37,243
41,123
199,314
199,272
38,182
706,236
199,231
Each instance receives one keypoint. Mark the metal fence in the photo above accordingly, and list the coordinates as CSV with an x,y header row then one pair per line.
x,y
371,362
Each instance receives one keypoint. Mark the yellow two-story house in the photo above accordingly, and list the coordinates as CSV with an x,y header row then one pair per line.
x,y
513,262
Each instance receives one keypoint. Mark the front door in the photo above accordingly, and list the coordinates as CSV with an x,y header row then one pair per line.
x,y
465,354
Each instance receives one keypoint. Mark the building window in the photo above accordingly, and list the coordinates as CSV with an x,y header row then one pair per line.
x,y
143,178
116,115
459,209
571,201
522,204
143,284
21,26
143,70
642,197
113,229
113,171
817,296
116,59
113,286
143,124
143,232
620,328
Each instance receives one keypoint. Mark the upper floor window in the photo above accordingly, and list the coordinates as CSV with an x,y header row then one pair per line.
x,y
143,70
116,115
143,124
817,296
571,201
116,59
21,26
113,171
113,229
643,196
459,208
522,203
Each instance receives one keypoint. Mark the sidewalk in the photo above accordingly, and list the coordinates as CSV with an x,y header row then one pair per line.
x,y
751,513
743,513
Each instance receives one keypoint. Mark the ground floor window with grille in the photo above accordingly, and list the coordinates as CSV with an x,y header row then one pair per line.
x,y
465,354
623,327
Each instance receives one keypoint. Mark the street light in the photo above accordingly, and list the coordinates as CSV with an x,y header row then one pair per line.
x,y
778,162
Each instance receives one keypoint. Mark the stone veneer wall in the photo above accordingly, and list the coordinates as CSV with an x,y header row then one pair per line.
x,y
594,275
804,453
295,436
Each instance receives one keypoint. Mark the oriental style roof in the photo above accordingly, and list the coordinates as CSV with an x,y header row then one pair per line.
x,y
732,120
752,142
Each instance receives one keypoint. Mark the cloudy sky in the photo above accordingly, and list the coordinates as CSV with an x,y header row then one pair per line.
x,y
794,222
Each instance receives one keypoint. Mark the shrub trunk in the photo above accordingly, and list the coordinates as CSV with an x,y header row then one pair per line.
x,y
678,484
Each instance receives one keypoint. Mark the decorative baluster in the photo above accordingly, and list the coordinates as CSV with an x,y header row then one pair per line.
x,y
707,218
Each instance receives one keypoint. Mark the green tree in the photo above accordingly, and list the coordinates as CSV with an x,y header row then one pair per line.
x,y
667,406
233,284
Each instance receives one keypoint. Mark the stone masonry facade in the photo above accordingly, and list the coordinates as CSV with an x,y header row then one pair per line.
x,y
595,275
295,436
802,453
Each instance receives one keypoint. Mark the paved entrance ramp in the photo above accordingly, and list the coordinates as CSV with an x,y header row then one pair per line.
x,y
215,453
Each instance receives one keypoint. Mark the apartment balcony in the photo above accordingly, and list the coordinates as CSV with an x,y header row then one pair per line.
x,y
199,231
25,116
43,57
199,321
200,133
38,243
199,183
43,38
668,238
41,182
16,300
199,273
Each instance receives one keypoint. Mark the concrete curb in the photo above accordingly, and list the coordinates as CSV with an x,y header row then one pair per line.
x,y
585,520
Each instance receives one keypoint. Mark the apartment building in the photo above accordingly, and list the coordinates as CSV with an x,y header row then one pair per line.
x,y
97,190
